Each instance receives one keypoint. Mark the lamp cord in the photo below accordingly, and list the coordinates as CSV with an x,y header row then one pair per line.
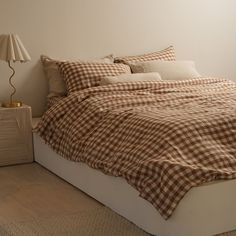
x,y
14,89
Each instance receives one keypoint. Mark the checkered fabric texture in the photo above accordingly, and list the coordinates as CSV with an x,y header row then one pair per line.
x,y
81,75
167,54
163,137
53,100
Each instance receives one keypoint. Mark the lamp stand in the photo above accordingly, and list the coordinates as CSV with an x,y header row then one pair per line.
x,y
12,103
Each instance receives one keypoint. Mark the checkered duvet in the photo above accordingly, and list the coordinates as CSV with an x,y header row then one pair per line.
x,y
162,137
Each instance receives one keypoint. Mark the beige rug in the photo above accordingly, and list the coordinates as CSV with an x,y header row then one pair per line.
x,y
34,202
100,222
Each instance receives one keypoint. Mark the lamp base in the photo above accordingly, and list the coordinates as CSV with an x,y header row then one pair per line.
x,y
12,104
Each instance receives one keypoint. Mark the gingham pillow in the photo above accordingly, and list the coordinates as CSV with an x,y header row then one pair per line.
x,y
81,75
57,85
167,54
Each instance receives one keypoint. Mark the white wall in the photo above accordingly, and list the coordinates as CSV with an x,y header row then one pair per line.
x,y
202,30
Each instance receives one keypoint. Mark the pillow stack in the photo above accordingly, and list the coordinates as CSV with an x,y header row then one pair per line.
x,y
163,63
57,86
67,77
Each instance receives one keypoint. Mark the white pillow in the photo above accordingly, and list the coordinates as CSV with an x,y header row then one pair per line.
x,y
124,78
169,70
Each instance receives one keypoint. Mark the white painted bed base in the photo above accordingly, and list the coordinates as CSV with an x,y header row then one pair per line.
x,y
204,211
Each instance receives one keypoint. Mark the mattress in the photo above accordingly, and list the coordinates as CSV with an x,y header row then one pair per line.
x,y
206,210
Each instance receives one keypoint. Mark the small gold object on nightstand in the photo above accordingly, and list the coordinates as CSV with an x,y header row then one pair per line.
x,y
11,104
12,49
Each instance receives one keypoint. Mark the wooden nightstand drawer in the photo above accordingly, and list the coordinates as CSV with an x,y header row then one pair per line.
x,y
15,135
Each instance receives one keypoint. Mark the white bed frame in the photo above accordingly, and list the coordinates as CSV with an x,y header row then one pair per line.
x,y
204,211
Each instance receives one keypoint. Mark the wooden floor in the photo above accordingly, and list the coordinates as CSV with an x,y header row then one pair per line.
x,y
30,191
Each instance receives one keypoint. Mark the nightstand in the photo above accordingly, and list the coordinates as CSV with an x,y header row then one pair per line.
x,y
15,135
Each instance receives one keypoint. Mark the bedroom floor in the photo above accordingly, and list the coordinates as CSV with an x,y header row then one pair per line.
x,y
31,196
35,202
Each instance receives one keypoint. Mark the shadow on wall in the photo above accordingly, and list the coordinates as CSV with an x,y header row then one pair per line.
x,y
33,88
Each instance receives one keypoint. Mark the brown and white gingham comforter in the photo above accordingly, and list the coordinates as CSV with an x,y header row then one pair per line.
x,y
162,137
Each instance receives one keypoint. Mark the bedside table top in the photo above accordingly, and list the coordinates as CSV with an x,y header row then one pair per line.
x,y
14,108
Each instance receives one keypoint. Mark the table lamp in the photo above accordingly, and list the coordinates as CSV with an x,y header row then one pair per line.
x,y
12,49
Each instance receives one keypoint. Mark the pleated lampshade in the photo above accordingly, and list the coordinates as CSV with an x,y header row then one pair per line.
x,y
12,49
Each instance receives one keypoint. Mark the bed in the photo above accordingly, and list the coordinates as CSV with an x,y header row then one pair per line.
x,y
206,210
160,153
